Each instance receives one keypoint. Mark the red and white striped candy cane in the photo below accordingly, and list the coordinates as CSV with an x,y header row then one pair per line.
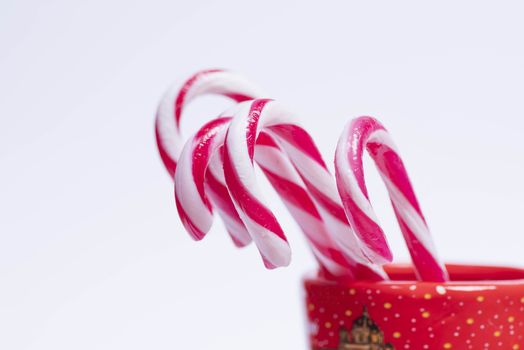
x,y
170,140
239,151
367,133
193,187
169,113
288,184
190,182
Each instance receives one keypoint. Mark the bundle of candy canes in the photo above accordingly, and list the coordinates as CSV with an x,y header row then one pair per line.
x,y
214,171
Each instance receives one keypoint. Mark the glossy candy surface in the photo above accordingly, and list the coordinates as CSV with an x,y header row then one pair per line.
x,y
271,117
367,134
214,171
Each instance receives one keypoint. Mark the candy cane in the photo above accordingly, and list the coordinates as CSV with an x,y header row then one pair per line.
x,y
281,174
197,217
169,112
367,133
267,115
170,141
189,184
284,178
195,210
299,202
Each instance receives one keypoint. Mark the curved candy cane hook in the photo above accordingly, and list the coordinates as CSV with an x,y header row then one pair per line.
x,y
367,133
170,142
239,151
170,109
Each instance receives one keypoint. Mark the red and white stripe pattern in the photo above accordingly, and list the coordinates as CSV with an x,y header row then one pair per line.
x,y
289,185
196,182
169,113
367,133
196,214
193,201
270,117
284,178
170,142
215,169
191,198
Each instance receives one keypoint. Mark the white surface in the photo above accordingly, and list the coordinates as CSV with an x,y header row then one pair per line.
x,y
92,255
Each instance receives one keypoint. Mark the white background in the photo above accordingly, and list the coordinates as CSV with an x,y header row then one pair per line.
x,y
92,254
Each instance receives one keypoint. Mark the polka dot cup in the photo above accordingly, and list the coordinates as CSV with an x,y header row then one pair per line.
x,y
481,308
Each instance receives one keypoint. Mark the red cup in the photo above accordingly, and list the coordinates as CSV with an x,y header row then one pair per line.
x,y
482,307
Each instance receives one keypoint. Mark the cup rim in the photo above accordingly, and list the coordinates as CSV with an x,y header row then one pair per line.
x,y
460,275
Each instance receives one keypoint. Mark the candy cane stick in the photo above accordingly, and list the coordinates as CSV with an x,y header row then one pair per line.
x,y
267,115
195,210
284,179
170,140
299,202
189,181
367,133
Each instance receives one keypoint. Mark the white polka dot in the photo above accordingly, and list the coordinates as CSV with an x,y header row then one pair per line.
x,y
440,290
